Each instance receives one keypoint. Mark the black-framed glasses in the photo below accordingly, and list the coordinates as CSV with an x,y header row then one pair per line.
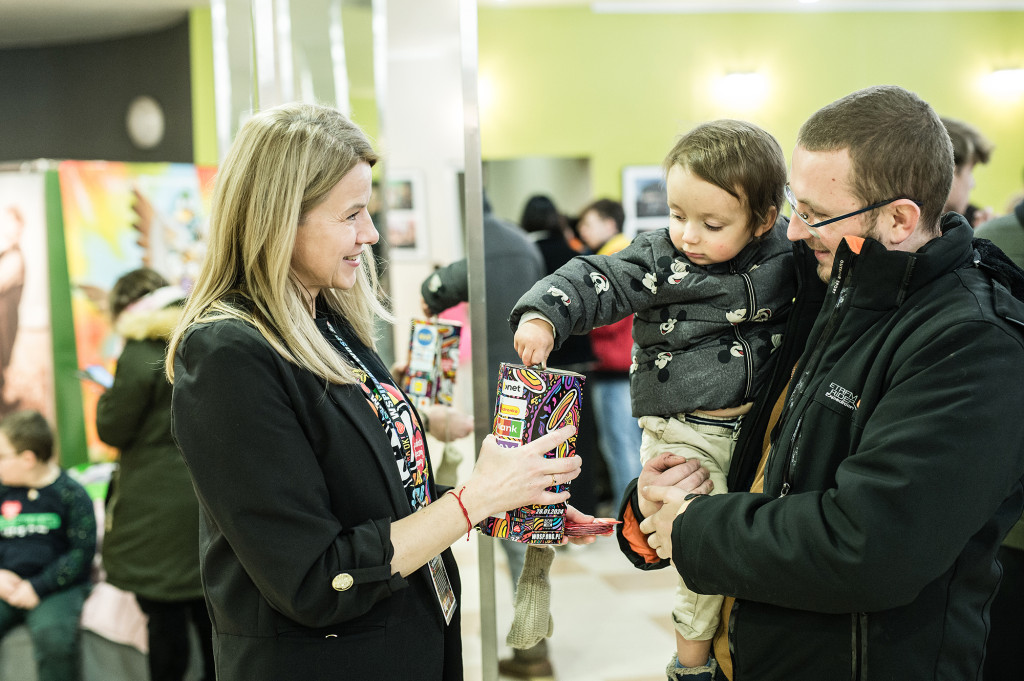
x,y
791,199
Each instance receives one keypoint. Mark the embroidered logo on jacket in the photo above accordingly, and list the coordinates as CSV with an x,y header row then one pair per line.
x,y
842,396
680,269
559,293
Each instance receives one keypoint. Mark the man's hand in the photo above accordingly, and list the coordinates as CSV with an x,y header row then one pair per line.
x,y
24,596
534,341
659,525
670,470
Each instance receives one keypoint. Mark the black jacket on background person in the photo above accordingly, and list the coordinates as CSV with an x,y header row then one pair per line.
x,y
513,264
575,353
895,472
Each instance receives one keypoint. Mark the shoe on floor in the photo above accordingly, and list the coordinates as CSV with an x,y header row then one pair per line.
x,y
676,673
532,663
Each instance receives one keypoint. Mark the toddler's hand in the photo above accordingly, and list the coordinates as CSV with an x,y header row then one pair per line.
x,y
24,596
8,583
534,341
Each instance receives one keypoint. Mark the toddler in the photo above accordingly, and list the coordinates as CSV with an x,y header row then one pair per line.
x,y
709,296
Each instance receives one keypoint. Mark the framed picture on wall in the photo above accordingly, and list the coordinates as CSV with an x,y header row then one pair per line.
x,y
644,200
406,222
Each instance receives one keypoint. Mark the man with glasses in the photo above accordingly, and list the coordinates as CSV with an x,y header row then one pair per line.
x,y
886,454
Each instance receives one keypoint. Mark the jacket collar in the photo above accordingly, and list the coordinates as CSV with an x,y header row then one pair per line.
x,y
882,279
771,244
351,400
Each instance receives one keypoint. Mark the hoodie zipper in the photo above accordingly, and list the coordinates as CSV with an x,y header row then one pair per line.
x,y
835,316
859,646
749,361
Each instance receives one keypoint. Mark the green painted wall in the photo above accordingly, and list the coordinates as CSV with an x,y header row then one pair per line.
x,y
204,113
619,88
357,26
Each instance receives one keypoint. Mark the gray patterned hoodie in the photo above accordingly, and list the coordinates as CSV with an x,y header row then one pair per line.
x,y
703,334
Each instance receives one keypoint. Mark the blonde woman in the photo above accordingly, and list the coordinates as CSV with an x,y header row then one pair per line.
x,y
324,540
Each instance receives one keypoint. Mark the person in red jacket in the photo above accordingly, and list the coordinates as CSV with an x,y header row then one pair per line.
x,y
618,435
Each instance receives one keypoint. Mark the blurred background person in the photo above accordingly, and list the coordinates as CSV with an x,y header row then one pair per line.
x,y
545,225
12,284
151,542
513,264
970,148
619,435
1007,232
47,543
1004,656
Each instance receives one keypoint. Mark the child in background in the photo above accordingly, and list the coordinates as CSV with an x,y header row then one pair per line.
x,y
710,294
47,543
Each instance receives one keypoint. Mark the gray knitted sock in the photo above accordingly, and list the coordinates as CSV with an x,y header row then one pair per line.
x,y
532,621
676,673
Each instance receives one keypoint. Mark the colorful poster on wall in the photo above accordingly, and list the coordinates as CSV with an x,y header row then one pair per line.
x,y
119,217
26,358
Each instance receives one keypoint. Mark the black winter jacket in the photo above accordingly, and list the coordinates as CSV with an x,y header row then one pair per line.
x,y
900,452
894,473
298,488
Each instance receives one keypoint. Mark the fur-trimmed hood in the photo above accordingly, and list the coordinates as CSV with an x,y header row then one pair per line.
x,y
152,317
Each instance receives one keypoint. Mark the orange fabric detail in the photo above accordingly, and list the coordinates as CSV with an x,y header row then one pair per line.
x,y
637,539
721,640
856,243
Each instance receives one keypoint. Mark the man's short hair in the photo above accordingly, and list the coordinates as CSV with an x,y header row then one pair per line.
x,y
969,145
607,209
28,430
897,145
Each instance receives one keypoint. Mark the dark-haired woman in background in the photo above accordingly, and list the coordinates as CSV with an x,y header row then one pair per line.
x,y
151,544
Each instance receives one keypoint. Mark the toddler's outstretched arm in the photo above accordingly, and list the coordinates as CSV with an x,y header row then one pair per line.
x,y
534,341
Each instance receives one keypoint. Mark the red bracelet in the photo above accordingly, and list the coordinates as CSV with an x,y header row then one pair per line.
x,y
458,498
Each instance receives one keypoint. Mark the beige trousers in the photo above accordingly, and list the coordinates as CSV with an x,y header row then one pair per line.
x,y
695,436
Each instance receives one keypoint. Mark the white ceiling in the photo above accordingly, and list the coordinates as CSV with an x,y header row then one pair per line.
x,y
40,22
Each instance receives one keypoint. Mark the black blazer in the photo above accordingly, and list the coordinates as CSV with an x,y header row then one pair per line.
x,y
298,487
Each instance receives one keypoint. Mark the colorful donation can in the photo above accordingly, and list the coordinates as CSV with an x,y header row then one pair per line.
x,y
433,361
531,402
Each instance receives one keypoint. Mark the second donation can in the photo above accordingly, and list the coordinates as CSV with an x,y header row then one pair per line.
x,y
433,362
532,402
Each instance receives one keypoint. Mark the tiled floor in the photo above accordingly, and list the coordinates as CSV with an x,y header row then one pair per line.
x,y
611,620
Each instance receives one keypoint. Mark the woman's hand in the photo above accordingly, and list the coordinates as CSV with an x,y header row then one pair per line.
x,y
448,424
573,514
507,478
670,470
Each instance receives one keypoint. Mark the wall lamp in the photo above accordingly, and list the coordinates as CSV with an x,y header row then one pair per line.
x,y
741,90
1006,83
